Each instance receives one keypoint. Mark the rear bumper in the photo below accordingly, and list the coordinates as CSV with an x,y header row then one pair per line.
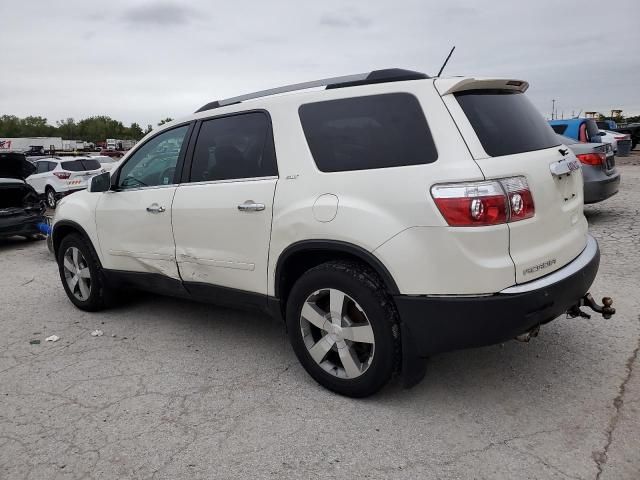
x,y
599,189
24,224
432,324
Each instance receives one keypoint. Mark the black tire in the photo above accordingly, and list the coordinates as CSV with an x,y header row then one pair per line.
x,y
98,292
364,287
50,197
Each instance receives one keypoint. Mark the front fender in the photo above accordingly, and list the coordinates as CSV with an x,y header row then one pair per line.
x,y
77,212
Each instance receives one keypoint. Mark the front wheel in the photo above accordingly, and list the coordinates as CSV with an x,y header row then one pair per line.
x,y
343,327
80,274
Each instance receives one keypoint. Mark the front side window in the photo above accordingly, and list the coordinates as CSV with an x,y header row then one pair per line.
x,y
155,162
506,122
42,167
361,133
238,146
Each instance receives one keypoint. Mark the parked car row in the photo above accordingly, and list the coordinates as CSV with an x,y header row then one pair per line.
x,y
587,130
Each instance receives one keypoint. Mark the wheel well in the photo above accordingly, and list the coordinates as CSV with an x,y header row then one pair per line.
x,y
61,231
293,264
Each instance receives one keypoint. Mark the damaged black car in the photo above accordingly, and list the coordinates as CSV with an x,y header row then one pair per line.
x,y
21,210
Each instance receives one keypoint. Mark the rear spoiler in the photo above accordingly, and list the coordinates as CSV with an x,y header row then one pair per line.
x,y
454,85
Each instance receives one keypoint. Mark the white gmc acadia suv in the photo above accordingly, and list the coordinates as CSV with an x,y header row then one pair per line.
x,y
385,216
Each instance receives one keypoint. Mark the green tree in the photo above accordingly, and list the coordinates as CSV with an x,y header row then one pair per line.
x,y
36,127
10,126
135,131
149,128
67,129
165,120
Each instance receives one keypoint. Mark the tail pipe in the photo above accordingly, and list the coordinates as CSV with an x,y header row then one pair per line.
x,y
606,310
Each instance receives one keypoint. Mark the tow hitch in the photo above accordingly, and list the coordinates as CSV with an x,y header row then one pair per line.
x,y
606,310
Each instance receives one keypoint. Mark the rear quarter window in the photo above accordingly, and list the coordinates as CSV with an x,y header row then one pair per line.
x,y
361,133
559,129
506,122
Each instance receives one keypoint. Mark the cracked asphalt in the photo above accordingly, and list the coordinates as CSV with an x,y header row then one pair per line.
x,y
184,390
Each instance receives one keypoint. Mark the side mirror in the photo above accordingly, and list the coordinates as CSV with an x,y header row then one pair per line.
x,y
100,183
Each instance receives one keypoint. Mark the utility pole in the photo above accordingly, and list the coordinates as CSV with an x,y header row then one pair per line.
x,y
553,108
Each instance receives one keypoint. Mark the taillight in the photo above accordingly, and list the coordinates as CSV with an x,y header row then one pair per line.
x,y
484,203
62,175
620,137
520,198
592,158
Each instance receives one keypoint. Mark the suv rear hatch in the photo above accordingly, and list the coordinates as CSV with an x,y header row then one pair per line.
x,y
79,171
508,137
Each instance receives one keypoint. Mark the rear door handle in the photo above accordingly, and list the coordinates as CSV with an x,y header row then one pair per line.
x,y
251,206
155,208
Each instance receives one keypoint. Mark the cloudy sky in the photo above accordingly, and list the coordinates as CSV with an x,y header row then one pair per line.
x,y
142,60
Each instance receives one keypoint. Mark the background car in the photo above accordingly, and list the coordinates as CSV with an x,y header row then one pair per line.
x,y
620,142
112,153
106,162
599,173
582,129
21,209
56,177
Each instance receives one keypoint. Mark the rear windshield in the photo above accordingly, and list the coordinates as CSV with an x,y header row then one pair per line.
x,y
506,122
360,133
81,165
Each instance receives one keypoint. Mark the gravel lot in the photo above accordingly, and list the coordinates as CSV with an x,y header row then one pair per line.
x,y
183,390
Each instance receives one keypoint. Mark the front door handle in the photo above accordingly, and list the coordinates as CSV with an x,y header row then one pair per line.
x,y
155,208
251,206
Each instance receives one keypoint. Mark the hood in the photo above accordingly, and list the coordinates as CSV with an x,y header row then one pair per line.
x,y
15,165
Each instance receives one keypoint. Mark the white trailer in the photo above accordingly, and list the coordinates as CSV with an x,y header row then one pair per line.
x,y
74,145
25,144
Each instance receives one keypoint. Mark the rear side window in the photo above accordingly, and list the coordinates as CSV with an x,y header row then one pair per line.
x,y
361,133
506,122
238,146
81,165
42,167
559,129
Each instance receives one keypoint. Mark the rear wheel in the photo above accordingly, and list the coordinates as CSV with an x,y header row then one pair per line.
x,y
50,196
80,274
343,328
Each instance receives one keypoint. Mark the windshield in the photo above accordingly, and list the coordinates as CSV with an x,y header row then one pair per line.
x,y
506,122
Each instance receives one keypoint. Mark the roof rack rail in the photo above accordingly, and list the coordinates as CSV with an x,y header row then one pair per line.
x,y
375,76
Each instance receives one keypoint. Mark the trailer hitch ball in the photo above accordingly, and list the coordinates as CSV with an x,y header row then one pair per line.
x,y
606,310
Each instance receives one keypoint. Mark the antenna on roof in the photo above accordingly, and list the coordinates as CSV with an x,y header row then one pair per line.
x,y
446,61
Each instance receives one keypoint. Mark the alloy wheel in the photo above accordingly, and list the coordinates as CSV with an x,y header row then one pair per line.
x,y
337,333
77,273
51,199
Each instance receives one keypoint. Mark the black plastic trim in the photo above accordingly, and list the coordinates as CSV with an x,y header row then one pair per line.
x,y
75,226
151,282
438,324
218,295
203,292
383,76
337,246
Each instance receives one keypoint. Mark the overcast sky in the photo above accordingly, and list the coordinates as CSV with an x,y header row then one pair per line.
x,y
140,61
